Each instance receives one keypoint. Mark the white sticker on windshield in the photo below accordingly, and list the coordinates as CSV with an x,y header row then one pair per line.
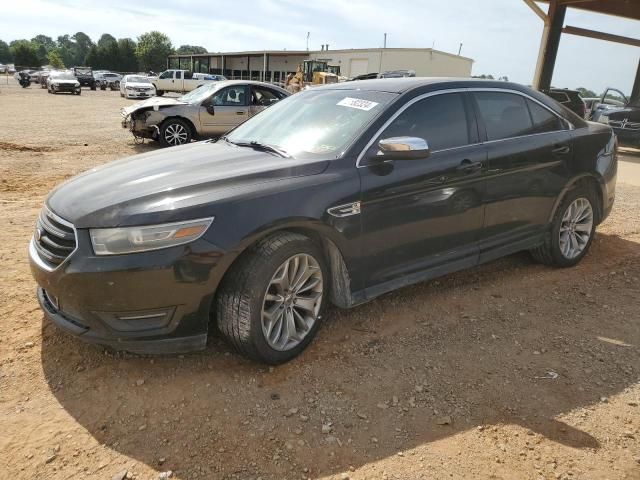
x,y
357,103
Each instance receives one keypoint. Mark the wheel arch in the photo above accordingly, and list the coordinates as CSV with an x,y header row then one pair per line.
x,y
589,180
325,237
194,132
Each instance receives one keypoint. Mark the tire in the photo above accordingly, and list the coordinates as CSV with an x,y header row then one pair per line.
x,y
93,87
79,92
551,252
243,295
175,132
159,93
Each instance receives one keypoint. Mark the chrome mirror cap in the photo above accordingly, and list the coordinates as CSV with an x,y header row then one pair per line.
x,y
400,148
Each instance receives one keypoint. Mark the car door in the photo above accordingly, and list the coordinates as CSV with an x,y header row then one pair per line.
x,y
528,147
224,110
165,80
424,217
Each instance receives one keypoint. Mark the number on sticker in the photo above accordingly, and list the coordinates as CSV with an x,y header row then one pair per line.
x,y
358,103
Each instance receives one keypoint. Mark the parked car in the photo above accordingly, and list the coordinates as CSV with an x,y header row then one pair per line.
x,y
180,81
386,74
622,114
63,81
85,77
136,86
108,80
570,99
334,195
207,112
208,76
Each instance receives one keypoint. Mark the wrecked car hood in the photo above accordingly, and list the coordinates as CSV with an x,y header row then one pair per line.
x,y
154,102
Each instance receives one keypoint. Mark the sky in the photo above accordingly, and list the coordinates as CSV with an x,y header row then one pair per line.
x,y
502,36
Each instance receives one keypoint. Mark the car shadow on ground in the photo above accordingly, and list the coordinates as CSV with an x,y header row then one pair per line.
x,y
510,342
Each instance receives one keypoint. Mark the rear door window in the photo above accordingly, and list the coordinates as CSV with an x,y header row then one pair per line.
x,y
441,120
505,115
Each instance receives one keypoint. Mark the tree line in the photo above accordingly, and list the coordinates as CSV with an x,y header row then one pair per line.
x,y
148,52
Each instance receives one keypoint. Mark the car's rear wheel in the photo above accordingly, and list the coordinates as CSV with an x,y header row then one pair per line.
x,y
572,229
159,93
271,302
175,132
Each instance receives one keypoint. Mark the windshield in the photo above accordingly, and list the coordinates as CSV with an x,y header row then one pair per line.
x,y
138,80
63,75
199,94
83,71
314,123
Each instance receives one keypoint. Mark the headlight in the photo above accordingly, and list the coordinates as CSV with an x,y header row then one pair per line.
x,y
77,84
56,84
115,241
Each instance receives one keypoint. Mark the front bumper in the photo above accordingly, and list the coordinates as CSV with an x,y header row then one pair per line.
x,y
627,137
150,302
134,94
65,88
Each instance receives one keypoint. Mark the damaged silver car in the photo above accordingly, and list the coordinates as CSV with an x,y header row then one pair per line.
x,y
208,111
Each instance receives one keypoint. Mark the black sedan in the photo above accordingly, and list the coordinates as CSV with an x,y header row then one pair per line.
x,y
334,195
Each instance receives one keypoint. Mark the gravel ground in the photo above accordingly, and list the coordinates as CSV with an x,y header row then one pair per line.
x,y
511,370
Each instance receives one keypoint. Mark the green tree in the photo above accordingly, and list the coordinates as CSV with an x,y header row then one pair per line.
x,y
107,52
82,44
586,93
67,49
5,52
93,58
48,42
41,52
55,60
190,49
127,61
24,54
152,50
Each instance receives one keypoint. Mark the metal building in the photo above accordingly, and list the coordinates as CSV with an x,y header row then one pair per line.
x,y
274,65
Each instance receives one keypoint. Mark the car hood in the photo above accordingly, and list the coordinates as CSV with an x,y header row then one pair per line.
x,y
65,82
629,113
172,184
153,102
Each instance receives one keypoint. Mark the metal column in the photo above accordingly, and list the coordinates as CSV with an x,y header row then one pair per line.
x,y
549,46
635,91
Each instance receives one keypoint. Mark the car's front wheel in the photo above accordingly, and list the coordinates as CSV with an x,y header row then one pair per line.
x,y
159,93
175,132
271,302
572,229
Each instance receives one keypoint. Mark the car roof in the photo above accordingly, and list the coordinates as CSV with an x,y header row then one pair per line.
x,y
224,83
405,84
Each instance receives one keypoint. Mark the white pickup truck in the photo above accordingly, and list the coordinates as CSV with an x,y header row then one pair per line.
x,y
180,81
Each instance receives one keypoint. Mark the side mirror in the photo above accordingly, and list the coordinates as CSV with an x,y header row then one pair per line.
x,y
210,110
402,148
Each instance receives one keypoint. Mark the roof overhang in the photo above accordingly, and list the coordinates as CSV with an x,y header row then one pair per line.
x,y
620,8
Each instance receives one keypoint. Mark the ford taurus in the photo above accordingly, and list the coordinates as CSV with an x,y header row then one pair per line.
x,y
337,195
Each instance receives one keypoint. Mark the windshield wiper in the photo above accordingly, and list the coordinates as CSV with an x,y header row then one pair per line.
x,y
265,147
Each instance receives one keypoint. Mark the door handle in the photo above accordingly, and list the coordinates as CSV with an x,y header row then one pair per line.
x,y
467,166
561,149
240,113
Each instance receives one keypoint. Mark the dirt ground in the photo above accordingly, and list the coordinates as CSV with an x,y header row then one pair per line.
x,y
511,370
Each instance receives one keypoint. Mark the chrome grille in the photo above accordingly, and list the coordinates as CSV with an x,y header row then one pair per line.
x,y
624,124
54,239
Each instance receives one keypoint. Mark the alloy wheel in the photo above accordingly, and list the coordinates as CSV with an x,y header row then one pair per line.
x,y
176,134
575,228
292,302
